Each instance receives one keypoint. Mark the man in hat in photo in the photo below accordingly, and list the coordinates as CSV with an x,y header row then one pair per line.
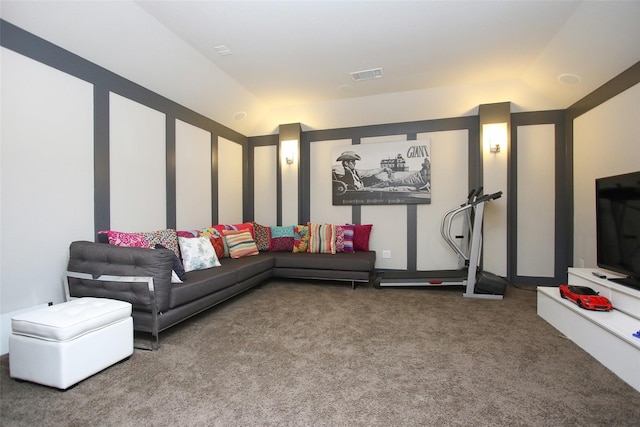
x,y
351,176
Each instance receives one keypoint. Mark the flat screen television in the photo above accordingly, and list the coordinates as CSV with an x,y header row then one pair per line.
x,y
618,226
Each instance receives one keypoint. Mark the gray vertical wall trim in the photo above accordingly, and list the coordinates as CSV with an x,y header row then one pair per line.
x,y
356,210
247,183
412,227
304,183
171,170
101,173
214,179
561,262
412,237
248,204
475,155
278,187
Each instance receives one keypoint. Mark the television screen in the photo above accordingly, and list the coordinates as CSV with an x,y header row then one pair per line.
x,y
618,225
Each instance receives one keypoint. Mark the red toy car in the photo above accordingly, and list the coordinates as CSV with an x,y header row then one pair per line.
x,y
585,297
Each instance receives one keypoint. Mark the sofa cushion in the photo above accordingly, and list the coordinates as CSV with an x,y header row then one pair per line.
x,y
356,261
250,266
200,283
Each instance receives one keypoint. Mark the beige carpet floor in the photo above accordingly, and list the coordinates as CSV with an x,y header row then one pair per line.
x,y
321,354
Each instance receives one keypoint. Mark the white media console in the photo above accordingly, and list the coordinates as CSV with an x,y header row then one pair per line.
x,y
607,336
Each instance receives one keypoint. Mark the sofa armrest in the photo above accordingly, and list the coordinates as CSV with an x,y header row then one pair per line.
x,y
101,259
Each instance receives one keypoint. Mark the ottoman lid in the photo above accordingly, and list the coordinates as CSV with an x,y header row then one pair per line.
x,y
69,320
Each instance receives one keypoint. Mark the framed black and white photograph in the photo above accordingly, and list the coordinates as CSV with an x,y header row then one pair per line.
x,y
388,173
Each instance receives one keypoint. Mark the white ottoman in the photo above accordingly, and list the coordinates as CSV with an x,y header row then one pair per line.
x,y
63,344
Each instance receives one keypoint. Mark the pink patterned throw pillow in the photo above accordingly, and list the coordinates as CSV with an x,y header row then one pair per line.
x,y
339,238
347,237
118,238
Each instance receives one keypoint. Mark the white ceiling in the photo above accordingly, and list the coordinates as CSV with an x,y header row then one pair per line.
x,y
291,60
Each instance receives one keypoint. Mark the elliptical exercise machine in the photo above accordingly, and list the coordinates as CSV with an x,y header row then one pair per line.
x,y
477,284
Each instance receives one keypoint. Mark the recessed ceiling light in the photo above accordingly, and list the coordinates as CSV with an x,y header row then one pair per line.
x,y
239,115
223,50
569,79
374,73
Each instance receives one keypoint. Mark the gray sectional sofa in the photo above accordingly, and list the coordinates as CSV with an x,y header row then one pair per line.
x,y
143,277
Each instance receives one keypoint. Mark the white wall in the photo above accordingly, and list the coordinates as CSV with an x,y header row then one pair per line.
x,y
265,185
494,233
605,143
46,153
389,232
320,188
137,166
536,201
193,177
450,187
289,173
229,182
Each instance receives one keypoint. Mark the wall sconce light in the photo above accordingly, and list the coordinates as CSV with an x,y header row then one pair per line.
x,y
289,149
495,137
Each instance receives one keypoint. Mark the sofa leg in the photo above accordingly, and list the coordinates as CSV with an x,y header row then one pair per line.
x,y
353,284
151,343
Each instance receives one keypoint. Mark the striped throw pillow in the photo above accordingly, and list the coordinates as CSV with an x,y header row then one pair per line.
x,y
240,243
322,238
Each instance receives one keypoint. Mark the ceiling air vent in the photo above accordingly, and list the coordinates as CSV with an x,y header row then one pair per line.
x,y
375,73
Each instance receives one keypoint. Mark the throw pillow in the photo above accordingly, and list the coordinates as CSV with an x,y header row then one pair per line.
x,y
282,239
193,233
361,234
262,234
322,238
197,253
167,238
339,238
301,238
245,226
135,240
216,235
240,243
218,245
348,237
178,274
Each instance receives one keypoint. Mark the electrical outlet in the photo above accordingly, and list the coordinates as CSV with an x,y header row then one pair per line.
x,y
386,254
581,263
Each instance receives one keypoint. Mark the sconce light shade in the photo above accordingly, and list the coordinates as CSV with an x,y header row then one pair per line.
x,y
495,137
289,151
